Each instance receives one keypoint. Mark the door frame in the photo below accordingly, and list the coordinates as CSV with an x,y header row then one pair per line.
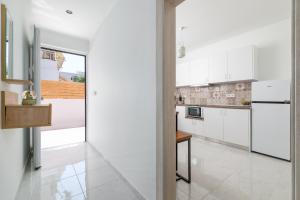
x,y
168,106
85,86
296,97
169,79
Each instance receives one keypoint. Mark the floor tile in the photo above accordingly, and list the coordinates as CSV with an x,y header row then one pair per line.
x,y
68,172
220,172
78,197
114,190
64,189
95,178
89,164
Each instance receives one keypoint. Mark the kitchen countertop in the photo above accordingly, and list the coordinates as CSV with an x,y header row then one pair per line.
x,y
219,106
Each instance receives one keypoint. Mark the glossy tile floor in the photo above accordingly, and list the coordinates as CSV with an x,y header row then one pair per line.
x,y
224,173
74,172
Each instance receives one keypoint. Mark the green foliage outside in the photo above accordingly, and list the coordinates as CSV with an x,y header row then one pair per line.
x,y
79,79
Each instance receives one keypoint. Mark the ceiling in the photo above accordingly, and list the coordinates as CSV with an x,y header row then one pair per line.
x,y
208,21
83,23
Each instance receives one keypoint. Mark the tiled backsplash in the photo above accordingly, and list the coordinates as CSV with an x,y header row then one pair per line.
x,y
221,94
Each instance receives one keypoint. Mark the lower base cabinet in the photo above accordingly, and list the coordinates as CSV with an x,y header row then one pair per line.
x,y
213,118
229,125
194,126
237,127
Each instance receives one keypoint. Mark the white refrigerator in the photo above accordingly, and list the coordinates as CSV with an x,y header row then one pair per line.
x,y
271,118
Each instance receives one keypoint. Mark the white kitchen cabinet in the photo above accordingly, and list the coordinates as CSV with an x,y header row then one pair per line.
x,y
242,64
184,124
234,65
199,72
218,67
237,126
199,128
193,126
213,120
182,74
229,125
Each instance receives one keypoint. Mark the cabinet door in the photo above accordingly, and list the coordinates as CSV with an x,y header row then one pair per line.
x,y
241,64
218,68
182,74
213,121
237,126
199,72
199,128
184,124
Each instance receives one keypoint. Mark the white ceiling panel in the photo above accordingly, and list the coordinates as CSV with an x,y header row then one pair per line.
x,y
84,22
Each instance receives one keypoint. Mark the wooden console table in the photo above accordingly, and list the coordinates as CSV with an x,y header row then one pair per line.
x,y
183,137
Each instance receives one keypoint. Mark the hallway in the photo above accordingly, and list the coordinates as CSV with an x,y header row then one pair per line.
x,y
74,172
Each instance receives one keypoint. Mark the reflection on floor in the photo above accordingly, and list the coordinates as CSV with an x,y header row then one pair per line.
x,y
61,137
224,173
74,172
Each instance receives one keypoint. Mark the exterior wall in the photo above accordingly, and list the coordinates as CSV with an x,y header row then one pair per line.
x,y
62,90
67,76
66,113
49,70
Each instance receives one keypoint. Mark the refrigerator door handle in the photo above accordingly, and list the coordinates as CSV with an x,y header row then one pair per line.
x,y
272,102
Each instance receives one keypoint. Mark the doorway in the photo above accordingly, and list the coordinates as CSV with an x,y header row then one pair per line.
x,y
209,178
63,84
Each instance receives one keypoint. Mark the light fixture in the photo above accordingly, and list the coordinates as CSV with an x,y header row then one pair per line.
x,y
70,12
181,51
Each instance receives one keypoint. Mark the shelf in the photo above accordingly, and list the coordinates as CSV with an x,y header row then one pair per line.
x,y
23,116
18,82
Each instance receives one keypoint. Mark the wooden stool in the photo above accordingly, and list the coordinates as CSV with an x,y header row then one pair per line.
x,y
183,137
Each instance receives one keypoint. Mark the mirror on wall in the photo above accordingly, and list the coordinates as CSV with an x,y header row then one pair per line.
x,y
7,43
7,51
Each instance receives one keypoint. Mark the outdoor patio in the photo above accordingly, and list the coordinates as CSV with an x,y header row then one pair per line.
x,y
60,137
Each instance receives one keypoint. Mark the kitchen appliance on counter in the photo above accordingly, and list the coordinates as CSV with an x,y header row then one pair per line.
x,y
193,112
271,118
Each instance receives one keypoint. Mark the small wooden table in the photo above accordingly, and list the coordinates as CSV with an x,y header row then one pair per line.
x,y
183,137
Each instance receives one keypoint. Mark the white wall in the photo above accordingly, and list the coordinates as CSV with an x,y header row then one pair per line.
x,y
49,70
14,143
55,40
66,113
274,49
122,71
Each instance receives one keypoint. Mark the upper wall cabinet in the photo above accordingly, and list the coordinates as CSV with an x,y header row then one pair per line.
x,y
242,64
194,73
218,67
199,72
228,66
182,74
235,65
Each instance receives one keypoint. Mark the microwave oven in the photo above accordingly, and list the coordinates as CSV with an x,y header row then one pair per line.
x,y
193,112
